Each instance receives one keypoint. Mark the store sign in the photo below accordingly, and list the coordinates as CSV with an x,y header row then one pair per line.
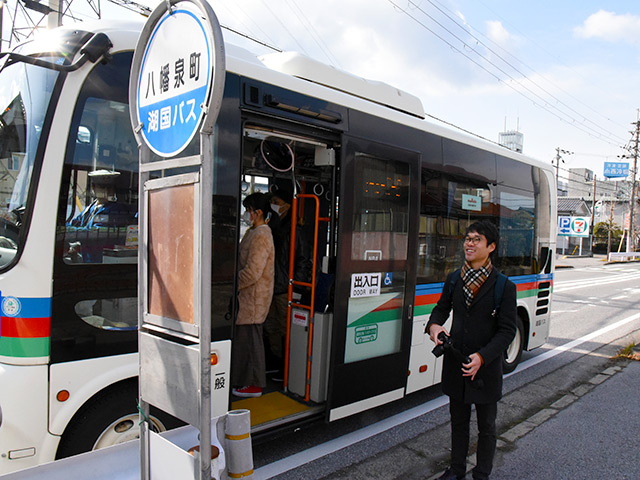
x,y
616,170
573,226
471,202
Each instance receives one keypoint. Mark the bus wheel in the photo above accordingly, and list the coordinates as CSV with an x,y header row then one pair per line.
x,y
513,353
109,419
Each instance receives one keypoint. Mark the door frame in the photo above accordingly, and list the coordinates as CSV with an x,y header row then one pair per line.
x,y
359,385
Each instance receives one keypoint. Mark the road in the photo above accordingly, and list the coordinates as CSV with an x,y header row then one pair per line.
x,y
593,305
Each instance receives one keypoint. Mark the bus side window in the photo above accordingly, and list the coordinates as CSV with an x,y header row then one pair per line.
x,y
110,313
95,271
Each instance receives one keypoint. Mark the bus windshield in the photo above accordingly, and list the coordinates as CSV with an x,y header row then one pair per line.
x,y
24,100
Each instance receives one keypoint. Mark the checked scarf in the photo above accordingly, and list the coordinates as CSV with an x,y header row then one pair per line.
x,y
473,279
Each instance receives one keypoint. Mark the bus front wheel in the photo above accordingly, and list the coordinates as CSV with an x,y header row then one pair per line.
x,y
108,419
514,351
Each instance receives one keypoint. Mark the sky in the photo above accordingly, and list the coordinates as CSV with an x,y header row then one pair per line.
x,y
562,73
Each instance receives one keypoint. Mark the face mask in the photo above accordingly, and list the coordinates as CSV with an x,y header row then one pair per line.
x,y
246,218
277,208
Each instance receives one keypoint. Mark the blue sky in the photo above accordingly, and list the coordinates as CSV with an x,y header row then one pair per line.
x,y
565,73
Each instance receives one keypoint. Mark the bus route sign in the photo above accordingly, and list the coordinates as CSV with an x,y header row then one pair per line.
x,y
175,80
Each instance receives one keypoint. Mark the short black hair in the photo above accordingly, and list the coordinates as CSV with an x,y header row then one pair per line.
x,y
486,228
258,201
283,194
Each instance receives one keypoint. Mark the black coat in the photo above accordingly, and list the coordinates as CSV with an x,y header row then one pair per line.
x,y
302,258
476,330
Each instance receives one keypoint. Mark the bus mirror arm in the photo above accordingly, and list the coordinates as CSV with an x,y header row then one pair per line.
x,y
97,47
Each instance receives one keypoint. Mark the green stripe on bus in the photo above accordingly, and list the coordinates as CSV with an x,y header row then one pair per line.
x,y
424,309
528,293
24,347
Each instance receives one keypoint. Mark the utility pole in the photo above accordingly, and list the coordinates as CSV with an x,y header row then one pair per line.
x,y
593,215
559,159
2,2
631,239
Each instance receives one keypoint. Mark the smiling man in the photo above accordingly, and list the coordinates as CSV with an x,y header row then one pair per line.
x,y
484,324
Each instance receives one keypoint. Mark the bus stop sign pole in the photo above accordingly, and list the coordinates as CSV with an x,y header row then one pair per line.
x,y
175,92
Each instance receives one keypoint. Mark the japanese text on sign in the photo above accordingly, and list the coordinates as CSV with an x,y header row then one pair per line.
x,y
365,284
174,82
616,169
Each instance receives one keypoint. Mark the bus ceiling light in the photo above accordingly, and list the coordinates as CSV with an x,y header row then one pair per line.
x,y
63,395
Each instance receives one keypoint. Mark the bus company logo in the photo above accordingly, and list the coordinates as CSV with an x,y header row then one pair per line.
x,y
11,306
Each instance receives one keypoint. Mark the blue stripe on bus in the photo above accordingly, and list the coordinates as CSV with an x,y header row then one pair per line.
x,y
430,288
30,307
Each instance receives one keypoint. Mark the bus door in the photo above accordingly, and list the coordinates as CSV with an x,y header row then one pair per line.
x,y
375,276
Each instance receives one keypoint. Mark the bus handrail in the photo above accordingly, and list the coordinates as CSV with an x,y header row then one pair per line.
x,y
292,282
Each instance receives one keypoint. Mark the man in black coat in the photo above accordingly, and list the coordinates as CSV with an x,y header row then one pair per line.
x,y
481,331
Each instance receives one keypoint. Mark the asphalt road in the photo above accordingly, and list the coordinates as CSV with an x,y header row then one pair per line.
x,y
592,317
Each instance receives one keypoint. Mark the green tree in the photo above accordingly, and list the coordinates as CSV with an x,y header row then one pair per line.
x,y
601,230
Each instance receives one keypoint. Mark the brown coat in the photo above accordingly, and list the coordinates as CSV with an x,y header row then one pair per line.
x,y
255,278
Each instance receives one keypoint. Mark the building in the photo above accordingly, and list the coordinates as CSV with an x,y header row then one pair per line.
x,y
512,139
612,197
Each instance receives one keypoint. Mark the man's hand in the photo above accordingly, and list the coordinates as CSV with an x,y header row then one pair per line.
x,y
470,369
434,331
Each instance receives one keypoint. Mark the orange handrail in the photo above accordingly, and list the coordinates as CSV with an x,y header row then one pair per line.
x,y
292,282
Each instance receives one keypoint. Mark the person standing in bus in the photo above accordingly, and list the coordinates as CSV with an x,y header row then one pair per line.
x,y
276,324
255,290
481,331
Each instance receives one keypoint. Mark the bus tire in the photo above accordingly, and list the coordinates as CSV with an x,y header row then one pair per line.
x,y
513,353
109,418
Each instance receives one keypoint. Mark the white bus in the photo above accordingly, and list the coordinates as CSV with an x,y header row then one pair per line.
x,y
384,196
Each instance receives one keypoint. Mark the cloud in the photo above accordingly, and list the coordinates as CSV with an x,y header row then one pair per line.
x,y
497,33
611,27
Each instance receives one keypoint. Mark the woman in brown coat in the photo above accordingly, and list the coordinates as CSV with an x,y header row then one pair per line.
x,y
255,289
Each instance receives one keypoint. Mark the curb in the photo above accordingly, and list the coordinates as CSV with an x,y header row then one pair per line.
x,y
506,440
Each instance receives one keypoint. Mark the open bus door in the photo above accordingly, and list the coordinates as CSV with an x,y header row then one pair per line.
x,y
375,277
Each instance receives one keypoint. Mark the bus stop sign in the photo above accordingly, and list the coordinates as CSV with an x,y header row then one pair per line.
x,y
175,80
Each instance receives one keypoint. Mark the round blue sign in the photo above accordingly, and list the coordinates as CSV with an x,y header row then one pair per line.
x,y
175,80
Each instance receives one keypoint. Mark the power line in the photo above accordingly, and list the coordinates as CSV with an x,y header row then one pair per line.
x,y
456,22
314,34
533,42
537,100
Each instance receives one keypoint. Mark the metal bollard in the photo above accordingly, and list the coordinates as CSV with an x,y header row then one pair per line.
x,y
238,444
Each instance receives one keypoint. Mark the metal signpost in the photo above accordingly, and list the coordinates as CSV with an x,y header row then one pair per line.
x,y
175,92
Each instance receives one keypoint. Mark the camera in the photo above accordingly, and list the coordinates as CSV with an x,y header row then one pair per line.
x,y
446,344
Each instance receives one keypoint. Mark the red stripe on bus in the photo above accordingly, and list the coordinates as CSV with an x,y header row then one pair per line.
x,y
392,304
428,299
25,327
527,286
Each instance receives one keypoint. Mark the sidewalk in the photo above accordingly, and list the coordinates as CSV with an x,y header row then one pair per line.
x,y
591,432
579,421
